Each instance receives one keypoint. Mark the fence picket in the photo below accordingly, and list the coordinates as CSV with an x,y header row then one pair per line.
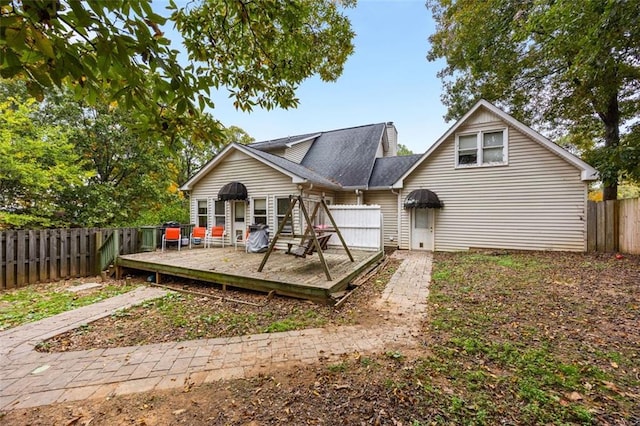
x,y
54,268
84,269
629,221
614,226
21,278
64,254
2,261
32,258
10,262
43,260
39,256
592,211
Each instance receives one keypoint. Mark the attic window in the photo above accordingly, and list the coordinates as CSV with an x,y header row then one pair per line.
x,y
484,148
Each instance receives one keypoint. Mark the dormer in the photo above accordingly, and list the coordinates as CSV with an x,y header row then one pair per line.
x,y
296,150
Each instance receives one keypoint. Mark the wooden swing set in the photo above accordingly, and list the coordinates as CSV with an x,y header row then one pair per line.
x,y
310,241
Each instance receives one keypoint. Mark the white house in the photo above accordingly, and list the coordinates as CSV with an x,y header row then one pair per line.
x,y
488,182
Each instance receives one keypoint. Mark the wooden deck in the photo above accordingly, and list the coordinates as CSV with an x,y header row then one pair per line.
x,y
287,275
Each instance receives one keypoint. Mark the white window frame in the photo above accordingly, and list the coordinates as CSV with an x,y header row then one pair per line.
x,y
277,216
204,215
216,215
480,149
266,210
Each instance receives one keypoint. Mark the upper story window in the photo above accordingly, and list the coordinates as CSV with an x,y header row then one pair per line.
x,y
485,148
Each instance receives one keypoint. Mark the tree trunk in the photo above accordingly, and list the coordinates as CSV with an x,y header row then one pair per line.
x,y
611,120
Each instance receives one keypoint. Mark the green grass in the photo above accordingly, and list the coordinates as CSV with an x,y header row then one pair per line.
x,y
197,321
502,344
32,303
340,367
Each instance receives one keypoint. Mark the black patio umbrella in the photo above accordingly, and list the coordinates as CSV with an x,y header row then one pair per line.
x,y
232,191
422,199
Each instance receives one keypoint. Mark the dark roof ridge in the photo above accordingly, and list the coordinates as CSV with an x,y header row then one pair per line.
x,y
322,132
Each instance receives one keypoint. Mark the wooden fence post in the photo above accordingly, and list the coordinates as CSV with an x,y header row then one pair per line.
x,y
96,254
42,250
3,283
10,263
116,244
611,226
592,229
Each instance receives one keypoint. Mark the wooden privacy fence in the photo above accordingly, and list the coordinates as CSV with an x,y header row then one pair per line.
x,y
614,226
360,225
37,256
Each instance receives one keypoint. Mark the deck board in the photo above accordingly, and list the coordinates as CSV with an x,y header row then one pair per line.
x,y
286,274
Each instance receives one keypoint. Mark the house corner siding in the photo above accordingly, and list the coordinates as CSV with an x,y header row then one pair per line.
x,y
536,202
388,203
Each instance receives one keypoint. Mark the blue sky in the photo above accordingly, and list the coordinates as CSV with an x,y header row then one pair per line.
x,y
387,79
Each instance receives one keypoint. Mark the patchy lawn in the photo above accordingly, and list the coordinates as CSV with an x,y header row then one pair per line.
x,y
207,312
535,338
38,301
510,338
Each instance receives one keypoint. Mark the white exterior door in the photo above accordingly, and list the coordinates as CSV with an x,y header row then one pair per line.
x,y
422,229
238,214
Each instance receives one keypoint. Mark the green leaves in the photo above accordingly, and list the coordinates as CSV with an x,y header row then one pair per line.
x,y
260,51
38,163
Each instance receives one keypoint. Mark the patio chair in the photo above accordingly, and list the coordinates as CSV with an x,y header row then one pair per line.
x,y
171,235
198,236
242,239
217,233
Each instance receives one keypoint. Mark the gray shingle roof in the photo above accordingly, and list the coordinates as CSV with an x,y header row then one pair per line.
x,y
346,155
295,168
388,170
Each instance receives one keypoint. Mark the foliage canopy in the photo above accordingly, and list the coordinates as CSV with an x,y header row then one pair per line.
x,y
66,163
122,118
259,50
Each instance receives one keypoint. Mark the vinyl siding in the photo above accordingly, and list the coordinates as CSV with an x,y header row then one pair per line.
x,y
536,202
388,203
261,181
297,152
346,197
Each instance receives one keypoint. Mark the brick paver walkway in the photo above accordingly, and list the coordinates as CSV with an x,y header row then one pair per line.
x,y
29,378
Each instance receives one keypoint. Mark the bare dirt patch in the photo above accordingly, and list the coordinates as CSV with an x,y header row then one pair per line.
x,y
207,311
510,338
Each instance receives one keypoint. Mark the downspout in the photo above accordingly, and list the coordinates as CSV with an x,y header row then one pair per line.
x,y
358,193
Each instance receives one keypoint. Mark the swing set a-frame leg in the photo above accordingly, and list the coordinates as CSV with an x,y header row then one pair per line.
x,y
287,216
